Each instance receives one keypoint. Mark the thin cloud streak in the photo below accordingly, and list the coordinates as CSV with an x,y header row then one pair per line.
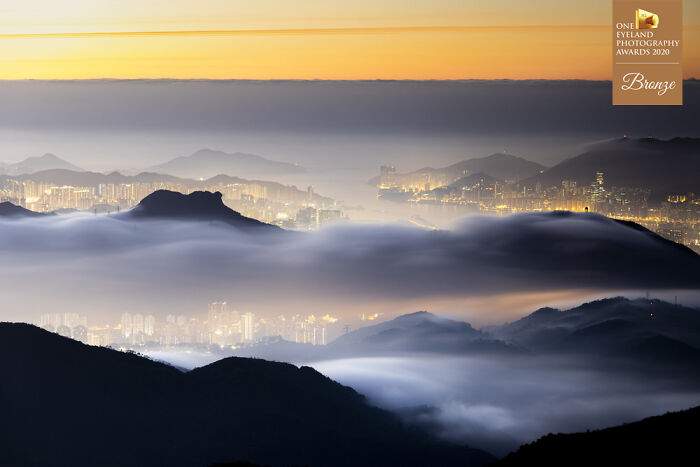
x,y
301,31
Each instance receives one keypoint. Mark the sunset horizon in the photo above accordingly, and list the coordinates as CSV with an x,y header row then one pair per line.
x,y
314,40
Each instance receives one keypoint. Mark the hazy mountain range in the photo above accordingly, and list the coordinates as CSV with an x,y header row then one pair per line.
x,y
648,332
650,356
661,166
203,164
207,163
419,332
415,332
94,179
31,165
63,392
469,181
86,178
608,319
500,166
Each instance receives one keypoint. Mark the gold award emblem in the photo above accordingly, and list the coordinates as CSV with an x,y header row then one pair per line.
x,y
646,19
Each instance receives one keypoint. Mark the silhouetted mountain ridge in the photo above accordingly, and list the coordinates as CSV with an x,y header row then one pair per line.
x,y
31,165
63,392
641,331
646,330
86,178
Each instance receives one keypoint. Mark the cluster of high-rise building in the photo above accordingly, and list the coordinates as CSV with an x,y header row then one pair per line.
x,y
71,325
270,202
677,217
221,326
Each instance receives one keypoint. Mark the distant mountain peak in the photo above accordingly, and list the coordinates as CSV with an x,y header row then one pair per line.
x,y
48,157
546,311
420,318
503,155
210,151
416,315
207,162
33,164
426,317
196,206
420,331
645,330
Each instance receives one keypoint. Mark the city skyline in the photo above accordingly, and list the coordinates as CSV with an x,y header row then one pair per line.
x,y
673,213
285,206
221,325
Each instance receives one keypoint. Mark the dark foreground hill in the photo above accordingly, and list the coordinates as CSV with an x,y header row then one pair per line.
x,y
68,404
668,440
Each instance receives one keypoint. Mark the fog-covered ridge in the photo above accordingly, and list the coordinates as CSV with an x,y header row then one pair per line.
x,y
169,264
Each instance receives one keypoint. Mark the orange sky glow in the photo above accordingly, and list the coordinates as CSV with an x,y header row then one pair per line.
x,y
313,39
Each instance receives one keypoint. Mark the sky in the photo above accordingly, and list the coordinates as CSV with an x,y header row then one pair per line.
x,y
314,39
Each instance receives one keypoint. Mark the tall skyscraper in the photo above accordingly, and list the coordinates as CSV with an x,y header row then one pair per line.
x,y
598,188
218,312
137,324
127,325
247,326
149,325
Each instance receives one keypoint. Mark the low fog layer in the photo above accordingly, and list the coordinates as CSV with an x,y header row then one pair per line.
x,y
498,403
102,266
